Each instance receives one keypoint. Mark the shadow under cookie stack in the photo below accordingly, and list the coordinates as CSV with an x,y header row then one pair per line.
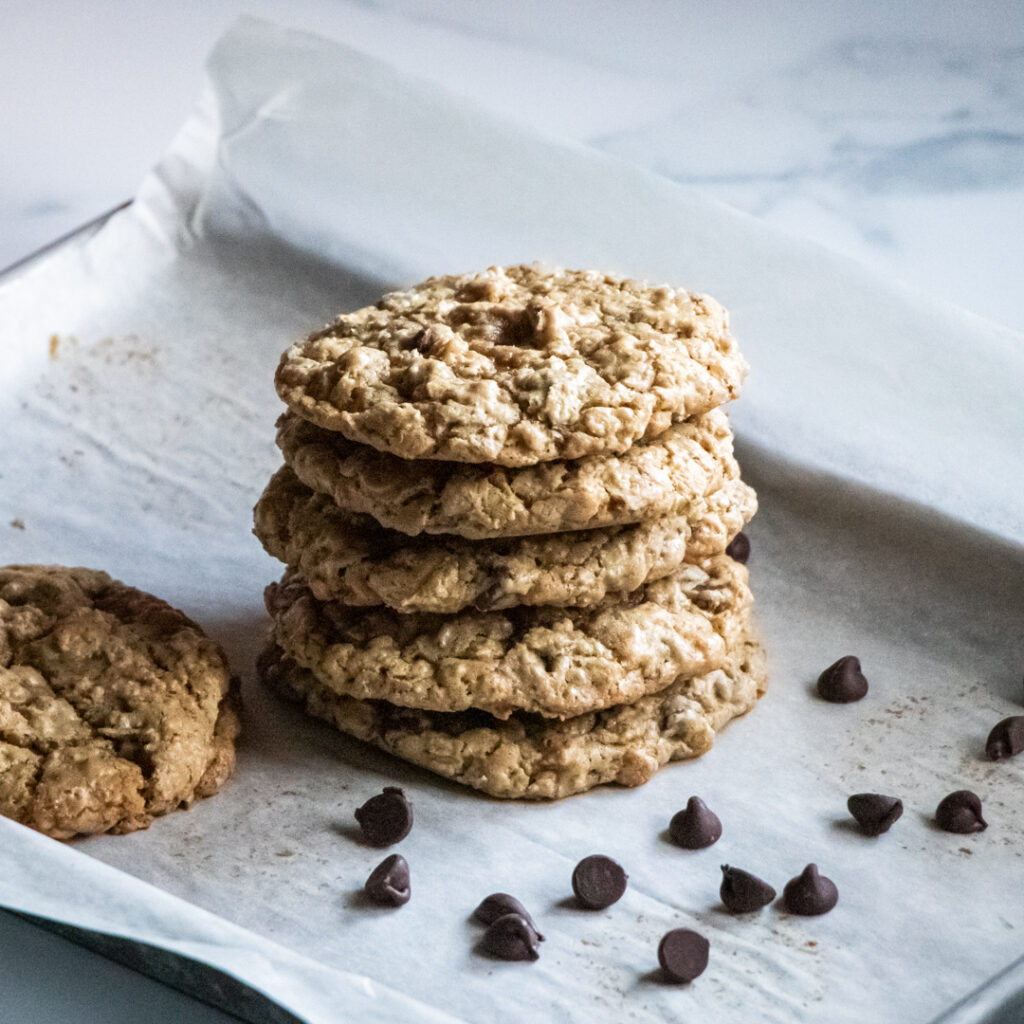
x,y
504,509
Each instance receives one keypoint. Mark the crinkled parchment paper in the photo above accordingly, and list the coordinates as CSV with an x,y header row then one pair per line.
x,y
883,432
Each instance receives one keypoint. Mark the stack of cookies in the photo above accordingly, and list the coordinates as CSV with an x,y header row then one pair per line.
x,y
504,509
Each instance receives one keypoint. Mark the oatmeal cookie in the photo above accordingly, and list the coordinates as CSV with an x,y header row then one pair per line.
x,y
515,366
527,756
558,662
114,706
654,478
351,559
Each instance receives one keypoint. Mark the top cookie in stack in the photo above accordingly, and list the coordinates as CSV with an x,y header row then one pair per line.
x,y
504,507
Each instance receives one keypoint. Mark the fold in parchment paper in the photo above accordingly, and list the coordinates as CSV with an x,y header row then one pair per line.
x,y
881,430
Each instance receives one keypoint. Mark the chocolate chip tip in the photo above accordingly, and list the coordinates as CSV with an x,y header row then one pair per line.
x,y
386,818
738,548
498,904
511,937
1006,738
810,893
875,813
843,682
960,812
743,893
389,882
696,827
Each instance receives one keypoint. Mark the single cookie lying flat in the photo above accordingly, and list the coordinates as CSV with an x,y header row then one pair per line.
x,y
114,707
353,560
515,366
654,478
533,757
558,662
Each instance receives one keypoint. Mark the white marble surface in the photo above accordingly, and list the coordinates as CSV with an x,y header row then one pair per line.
x,y
890,132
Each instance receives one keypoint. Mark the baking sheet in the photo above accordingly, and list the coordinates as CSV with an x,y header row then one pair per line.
x,y
881,430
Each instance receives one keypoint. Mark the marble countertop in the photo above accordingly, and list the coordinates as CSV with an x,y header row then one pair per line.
x,y
893,133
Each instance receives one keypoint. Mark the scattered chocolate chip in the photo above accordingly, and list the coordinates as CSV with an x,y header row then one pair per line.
x,y
960,812
598,882
1006,739
874,813
809,893
389,881
683,954
843,682
739,548
385,818
511,937
695,827
742,892
498,904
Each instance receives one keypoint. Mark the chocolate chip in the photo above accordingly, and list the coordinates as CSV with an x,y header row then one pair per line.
x,y
695,827
843,682
385,818
429,340
683,954
498,904
874,813
598,882
1006,739
511,937
389,881
739,548
809,893
742,892
960,812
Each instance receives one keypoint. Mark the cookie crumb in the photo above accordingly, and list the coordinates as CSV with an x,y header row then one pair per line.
x,y
54,345
18,524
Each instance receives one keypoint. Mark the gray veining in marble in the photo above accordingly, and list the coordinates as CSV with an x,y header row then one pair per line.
x,y
891,132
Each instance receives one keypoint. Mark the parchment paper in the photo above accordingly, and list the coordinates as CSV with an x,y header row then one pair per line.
x,y
882,431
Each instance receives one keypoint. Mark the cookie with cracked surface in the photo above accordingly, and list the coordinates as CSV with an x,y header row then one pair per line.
x,y
555,661
515,366
114,707
354,560
654,478
535,758
718,517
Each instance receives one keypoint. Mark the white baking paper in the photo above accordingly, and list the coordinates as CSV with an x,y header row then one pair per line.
x,y
882,431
